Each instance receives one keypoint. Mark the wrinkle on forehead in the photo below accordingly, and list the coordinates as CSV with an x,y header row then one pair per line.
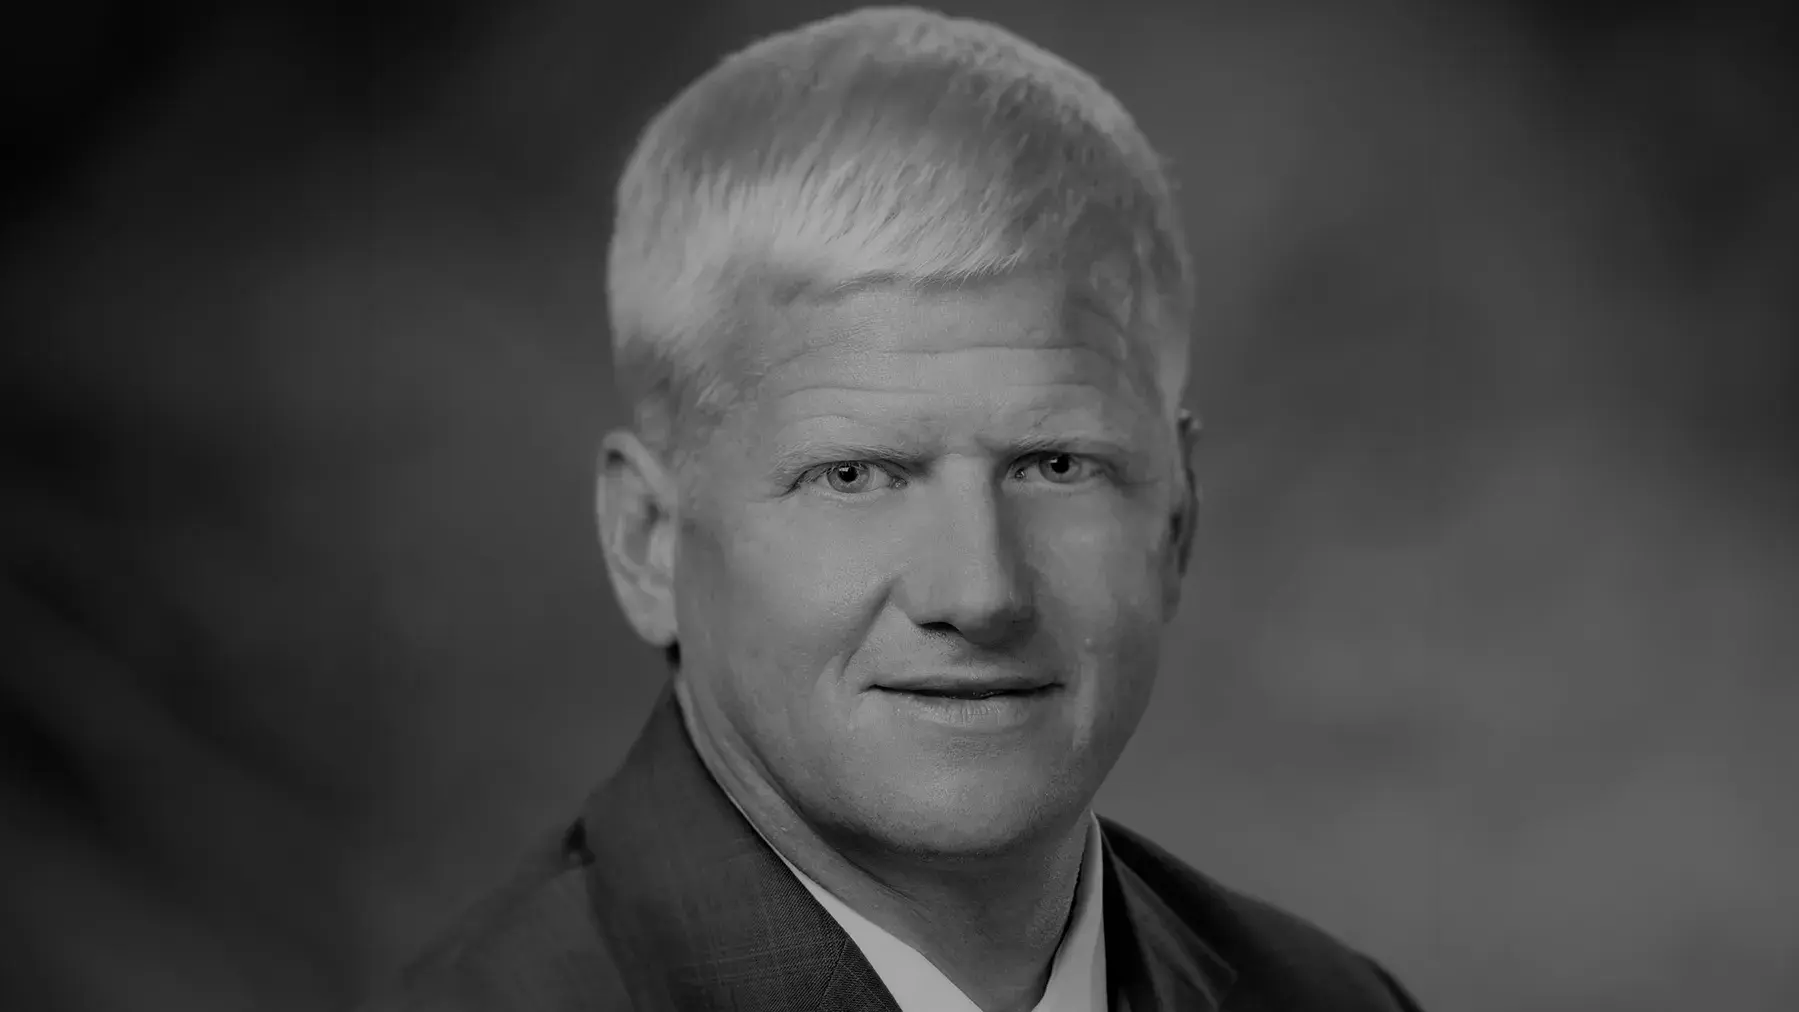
x,y
964,369
1011,355
943,401
926,318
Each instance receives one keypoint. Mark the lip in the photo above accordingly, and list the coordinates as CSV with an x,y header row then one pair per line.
x,y
968,687
1007,710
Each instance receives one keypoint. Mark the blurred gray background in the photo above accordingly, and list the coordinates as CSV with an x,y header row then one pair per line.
x,y
1487,659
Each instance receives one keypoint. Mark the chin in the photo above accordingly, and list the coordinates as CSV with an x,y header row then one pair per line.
x,y
966,813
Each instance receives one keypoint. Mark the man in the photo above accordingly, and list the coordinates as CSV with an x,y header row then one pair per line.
x,y
901,303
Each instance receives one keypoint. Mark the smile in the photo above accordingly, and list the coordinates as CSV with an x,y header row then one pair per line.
x,y
973,709
972,693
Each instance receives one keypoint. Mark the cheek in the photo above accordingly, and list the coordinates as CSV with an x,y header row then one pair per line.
x,y
791,595
1103,569
1101,601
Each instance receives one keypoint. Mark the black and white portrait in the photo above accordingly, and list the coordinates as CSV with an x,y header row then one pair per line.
x,y
1001,507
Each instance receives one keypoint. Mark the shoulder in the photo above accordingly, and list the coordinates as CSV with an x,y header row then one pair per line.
x,y
1276,954
531,945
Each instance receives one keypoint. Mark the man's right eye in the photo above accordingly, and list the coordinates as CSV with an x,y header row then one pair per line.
x,y
855,477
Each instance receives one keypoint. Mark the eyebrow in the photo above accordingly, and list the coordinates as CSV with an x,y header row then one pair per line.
x,y
806,454
1079,443
810,453
860,283
833,292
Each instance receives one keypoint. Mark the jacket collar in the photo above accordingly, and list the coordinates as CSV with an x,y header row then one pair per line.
x,y
703,915
1154,958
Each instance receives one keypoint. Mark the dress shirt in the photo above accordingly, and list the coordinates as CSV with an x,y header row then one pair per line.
x,y
1077,977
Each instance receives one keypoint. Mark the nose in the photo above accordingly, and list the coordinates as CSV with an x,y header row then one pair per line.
x,y
965,570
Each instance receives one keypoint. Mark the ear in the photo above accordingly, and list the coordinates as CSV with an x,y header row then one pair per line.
x,y
1183,519
636,508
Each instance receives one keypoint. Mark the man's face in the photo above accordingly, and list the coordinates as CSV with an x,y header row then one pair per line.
x,y
926,499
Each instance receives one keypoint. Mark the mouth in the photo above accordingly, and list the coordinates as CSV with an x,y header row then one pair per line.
x,y
985,706
968,692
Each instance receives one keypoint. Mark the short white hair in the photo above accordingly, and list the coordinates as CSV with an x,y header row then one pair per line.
x,y
886,144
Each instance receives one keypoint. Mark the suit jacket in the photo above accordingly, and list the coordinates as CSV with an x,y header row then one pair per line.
x,y
661,897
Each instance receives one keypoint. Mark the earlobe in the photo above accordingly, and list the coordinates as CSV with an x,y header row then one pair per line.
x,y
635,505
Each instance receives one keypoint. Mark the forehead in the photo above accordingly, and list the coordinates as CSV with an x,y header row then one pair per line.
x,y
1006,348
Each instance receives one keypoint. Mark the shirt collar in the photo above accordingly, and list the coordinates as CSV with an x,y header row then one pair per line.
x,y
1077,976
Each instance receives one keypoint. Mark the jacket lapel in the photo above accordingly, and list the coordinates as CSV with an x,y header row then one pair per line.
x,y
1155,962
701,913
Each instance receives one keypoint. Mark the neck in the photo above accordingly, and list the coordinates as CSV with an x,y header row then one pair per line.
x,y
990,923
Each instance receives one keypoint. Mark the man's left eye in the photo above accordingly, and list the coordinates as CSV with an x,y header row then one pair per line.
x,y
1058,468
